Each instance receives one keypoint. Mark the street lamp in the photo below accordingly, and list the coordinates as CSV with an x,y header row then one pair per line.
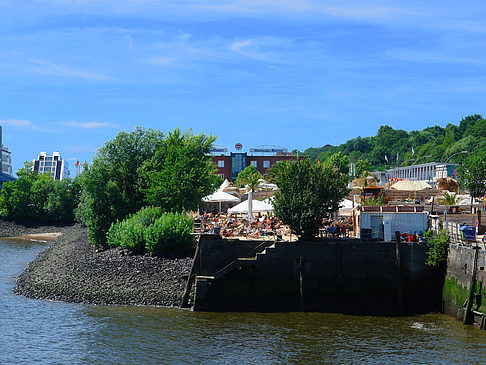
x,y
420,158
455,154
404,162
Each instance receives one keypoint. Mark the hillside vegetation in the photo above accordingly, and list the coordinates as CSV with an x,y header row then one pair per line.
x,y
437,142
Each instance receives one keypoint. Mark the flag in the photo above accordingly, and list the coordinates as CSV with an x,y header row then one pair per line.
x,y
413,152
319,161
397,156
386,158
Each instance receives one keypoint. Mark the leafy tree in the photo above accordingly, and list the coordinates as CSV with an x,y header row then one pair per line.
x,y
180,173
111,185
435,141
15,201
63,200
249,176
38,197
338,161
307,193
472,175
273,173
363,168
144,168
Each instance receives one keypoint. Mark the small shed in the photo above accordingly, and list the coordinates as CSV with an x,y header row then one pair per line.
x,y
382,225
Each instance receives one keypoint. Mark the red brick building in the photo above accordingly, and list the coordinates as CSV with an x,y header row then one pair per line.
x,y
230,165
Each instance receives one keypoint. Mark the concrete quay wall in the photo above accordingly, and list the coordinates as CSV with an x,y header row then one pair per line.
x,y
327,275
459,283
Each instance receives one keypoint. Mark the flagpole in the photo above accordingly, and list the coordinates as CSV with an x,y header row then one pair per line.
x,y
386,160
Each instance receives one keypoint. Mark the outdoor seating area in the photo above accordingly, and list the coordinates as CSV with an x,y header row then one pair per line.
x,y
264,226
228,225
342,227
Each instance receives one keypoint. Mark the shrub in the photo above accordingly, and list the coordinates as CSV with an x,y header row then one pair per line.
x,y
151,230
170,233
437,245
128,234
147,215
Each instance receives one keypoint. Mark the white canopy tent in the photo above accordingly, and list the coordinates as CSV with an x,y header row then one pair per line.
x,y
224,185
220,197
257,207
346,207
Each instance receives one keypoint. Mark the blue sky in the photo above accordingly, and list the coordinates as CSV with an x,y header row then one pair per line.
x,y
296,74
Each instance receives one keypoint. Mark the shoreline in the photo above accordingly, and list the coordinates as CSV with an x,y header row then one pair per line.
x,y
72,270
36,237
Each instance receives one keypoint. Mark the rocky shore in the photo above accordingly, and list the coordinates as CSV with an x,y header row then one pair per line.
x,y
72,270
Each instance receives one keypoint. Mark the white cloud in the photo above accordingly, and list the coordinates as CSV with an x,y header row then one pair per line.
x,y
88,125
161,60
16,123
237,46
50,68
438,56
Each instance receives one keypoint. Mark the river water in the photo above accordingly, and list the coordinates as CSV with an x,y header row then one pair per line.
x,y
44,332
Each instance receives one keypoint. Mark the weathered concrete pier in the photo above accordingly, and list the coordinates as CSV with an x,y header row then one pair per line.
x,y
326,275
464,292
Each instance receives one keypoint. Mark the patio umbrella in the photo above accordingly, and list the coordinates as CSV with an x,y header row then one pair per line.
x,y
220,197
250,206
257,206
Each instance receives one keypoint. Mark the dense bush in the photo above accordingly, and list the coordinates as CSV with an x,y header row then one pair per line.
x,y
437,248
170,233
144,168
154,231
39,197
128,234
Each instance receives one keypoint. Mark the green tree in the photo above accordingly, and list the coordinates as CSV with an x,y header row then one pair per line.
x,y
363,168
15,201
111,185
308,192
338,161
38,197
249,176
144,168
472,174
435,141
180,173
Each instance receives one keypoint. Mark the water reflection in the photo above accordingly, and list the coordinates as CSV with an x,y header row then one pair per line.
x,y
50,332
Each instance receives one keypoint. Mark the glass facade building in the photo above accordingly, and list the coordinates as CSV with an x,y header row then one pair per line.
x,y
53,165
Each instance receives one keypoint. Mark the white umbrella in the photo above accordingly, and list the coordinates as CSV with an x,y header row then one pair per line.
x,y
219,197
257,207
250,206
346,207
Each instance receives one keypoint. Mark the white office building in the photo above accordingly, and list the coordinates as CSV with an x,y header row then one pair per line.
x,y
429,172
53,165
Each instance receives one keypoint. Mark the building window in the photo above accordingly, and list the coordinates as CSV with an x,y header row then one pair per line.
x,y
254,163
222,176
266,164
220,163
